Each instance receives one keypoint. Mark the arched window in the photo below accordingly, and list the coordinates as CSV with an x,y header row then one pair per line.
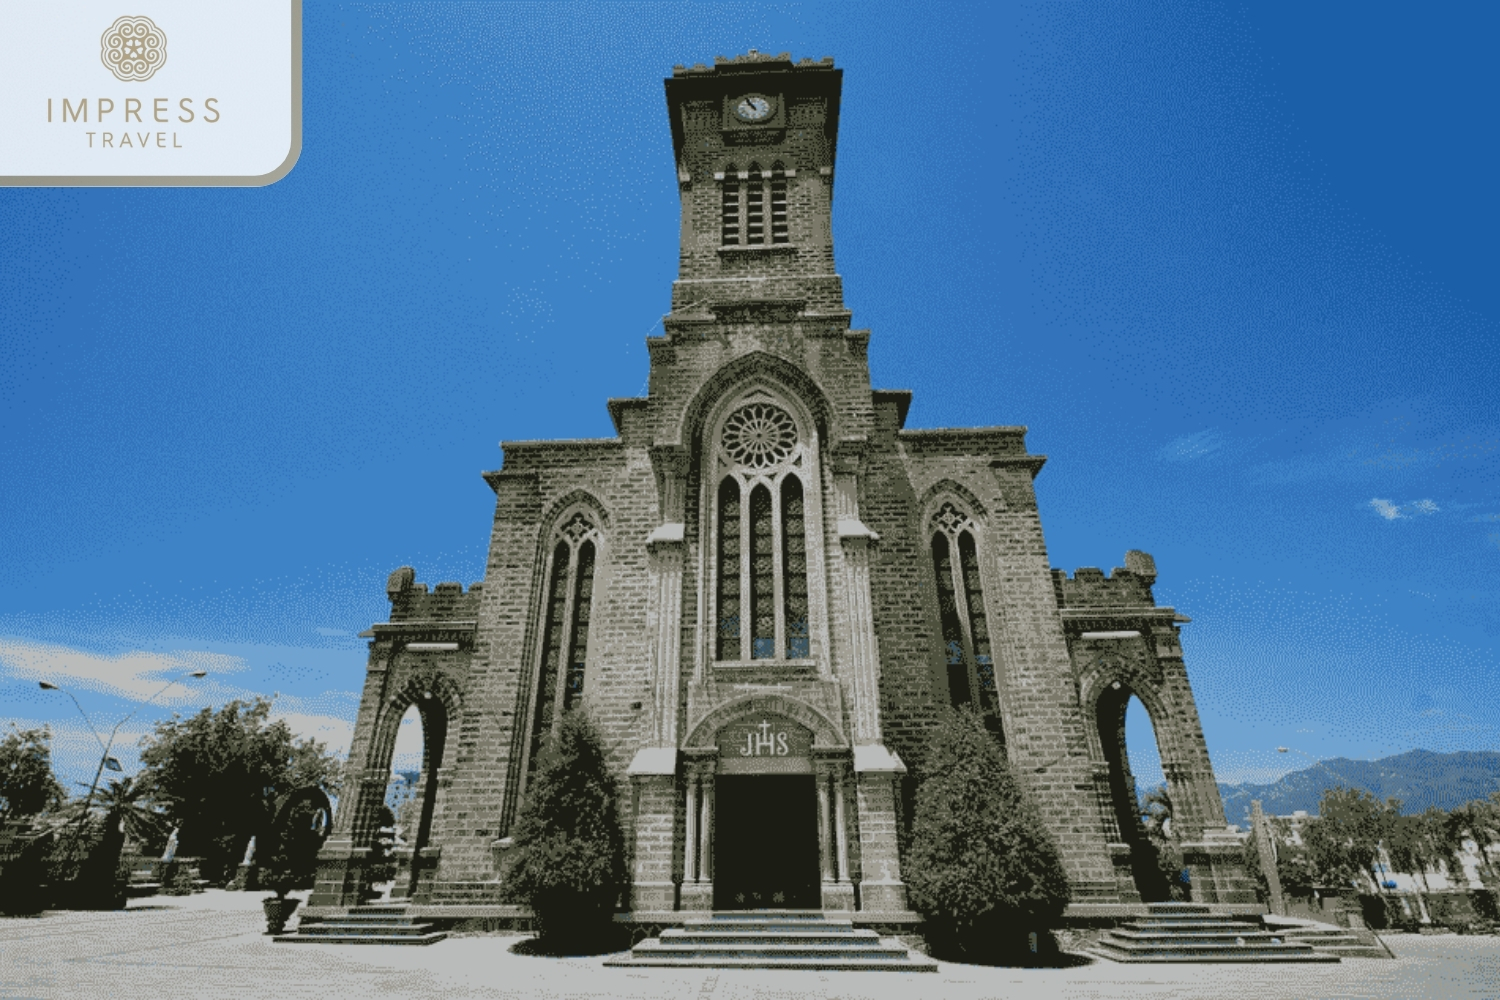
x,y
965,628
761,548
565,641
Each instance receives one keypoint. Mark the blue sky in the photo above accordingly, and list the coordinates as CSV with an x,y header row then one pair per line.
x,y
1234,265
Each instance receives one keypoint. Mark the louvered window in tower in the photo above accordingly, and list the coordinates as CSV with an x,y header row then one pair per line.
x,y
729,204
755,207
779,231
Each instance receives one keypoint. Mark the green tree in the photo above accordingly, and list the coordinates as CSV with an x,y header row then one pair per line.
x,y
982,868
1413,844
220,773
569,855
1156,821
27,785
1343,843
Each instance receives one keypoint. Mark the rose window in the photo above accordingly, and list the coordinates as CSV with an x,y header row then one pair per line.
x,y
759,435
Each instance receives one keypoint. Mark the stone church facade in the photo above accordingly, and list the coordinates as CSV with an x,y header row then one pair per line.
x,y
765,588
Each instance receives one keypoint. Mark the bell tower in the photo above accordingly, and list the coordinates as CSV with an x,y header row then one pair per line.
x,y
755,139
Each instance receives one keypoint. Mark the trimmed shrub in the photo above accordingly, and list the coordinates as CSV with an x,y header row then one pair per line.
x,y
982,869
568,862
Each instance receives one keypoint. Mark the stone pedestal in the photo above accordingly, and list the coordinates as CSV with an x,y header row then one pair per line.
x,y
340,880
654,784
880,885
838,896
697,896
1217,862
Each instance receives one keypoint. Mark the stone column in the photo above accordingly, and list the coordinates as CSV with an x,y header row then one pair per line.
x,y
340,879
864,665
875,767
825,855
838,890
706,831
664,610
1267,851
697,875
690,841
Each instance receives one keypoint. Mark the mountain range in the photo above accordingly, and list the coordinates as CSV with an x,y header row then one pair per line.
x,y
1419,778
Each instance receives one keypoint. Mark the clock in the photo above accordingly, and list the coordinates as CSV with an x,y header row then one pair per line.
x,y
754,108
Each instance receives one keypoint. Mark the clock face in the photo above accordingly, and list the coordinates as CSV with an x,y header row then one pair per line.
x,y
754,108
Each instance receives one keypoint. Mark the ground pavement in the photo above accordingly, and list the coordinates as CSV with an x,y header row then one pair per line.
x,y
212,945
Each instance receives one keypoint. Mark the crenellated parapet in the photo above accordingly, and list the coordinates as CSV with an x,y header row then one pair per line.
x,y
412,601
1128,586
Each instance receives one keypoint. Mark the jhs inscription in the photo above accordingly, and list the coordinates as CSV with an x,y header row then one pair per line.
x,y
761,742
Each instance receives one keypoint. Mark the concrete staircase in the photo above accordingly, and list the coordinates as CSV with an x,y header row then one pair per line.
x,y
773,939
387,923
1330,939
1183,932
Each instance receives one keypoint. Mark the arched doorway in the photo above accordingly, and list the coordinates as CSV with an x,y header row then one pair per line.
x,y
1119,710
765,825
415,761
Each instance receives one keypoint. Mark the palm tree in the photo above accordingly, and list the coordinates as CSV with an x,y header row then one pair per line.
x,y
127,806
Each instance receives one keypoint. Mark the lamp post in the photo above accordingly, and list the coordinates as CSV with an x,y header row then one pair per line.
x,y
106,759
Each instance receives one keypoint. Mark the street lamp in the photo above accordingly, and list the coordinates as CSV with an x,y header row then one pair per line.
x,y
106,760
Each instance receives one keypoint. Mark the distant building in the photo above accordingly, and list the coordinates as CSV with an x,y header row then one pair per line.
x,y
765,587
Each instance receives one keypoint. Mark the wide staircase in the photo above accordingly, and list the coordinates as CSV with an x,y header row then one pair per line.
x,y
773,939
1184,932
386,923
1330,939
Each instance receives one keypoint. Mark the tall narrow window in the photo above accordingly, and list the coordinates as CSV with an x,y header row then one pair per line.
x,y
583,599
729,570
762,575
762,546
979,631
730,207
552,653
779,233
966,634
565,637
953,634
755,207
794,569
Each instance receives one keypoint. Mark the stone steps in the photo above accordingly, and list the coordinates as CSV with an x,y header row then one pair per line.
x,y
1345,942
773,939
384,924
1182,932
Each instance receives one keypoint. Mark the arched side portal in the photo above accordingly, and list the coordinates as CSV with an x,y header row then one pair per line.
x,y
436,701
1109,716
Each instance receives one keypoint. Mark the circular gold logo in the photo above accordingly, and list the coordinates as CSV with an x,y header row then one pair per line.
x,y
133,48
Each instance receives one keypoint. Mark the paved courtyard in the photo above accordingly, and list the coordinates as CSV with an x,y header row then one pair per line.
x,y
211,945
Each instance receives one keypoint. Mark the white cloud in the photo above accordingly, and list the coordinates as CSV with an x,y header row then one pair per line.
x,y
337,733
1392,511
1191,446
136,675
